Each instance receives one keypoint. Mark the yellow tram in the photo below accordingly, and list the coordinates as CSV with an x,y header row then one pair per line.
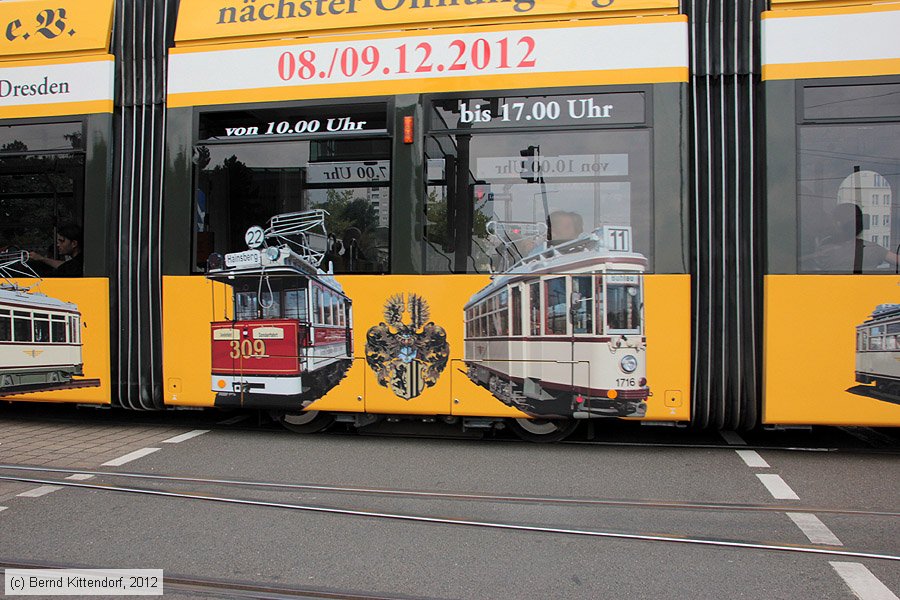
x,y
487,212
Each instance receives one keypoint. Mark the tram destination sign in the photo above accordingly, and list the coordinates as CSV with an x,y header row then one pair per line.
x,y
538,111
268,124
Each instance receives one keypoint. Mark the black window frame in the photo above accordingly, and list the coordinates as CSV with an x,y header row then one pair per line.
x,y
81,121
647,125
389,105
800,122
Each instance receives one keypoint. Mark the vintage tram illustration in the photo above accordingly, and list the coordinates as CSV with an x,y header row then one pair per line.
x,y
561,332
40,336
290,337
878,354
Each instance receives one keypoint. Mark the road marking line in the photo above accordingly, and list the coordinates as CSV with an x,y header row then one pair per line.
x,y
861,581
185,436
733,438
2,508
39,491
777,487
116,462
80,477
234,420
752,458
813,528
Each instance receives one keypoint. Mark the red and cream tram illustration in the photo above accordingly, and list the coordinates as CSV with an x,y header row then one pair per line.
x,y
290,337
40,336
878,354
561,332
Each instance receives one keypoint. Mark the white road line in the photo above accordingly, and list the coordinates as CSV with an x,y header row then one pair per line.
x,y
752,458
185,436
129,457
80,477
2,508
861,582
39,491
814,529
733,438
777,487
234,420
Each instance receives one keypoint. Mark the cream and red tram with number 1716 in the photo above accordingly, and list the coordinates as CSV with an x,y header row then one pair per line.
x,y
289,340
561,333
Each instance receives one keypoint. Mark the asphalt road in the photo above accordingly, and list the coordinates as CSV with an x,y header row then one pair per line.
x,y
719,488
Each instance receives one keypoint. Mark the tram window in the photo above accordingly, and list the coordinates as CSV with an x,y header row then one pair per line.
x,y
318,315
329,308
582,305
534,295
516,311
295,304
623,308
245,184
848,178
245,306
556,184
5,326
58,329
555,297
601,316
875,343
22,326
41,327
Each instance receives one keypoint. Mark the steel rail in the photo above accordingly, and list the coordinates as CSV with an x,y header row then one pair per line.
x,y
795,548
472,496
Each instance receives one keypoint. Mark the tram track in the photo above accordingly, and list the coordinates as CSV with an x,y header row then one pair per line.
x,y
880,448
653,504
468,523
227,588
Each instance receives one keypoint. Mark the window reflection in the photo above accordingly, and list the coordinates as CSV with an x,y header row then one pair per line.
x,y
41,193
847,179
493,198
241,185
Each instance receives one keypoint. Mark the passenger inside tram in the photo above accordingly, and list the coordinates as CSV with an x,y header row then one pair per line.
x,y
844,250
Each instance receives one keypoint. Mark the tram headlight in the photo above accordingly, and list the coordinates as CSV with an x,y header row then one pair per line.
x,y
272,253
628,363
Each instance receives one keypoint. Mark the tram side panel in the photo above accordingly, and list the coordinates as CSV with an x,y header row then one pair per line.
x,y
54,341
414,383
832,283
831,361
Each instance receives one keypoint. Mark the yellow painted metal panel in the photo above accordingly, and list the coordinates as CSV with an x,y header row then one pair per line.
x,y
188,310
189,305
814,4
91,295
37,27
59,109
810,348
848,68
667,312
200,20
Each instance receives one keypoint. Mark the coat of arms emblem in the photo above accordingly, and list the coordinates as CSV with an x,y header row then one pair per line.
x,y
407,358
